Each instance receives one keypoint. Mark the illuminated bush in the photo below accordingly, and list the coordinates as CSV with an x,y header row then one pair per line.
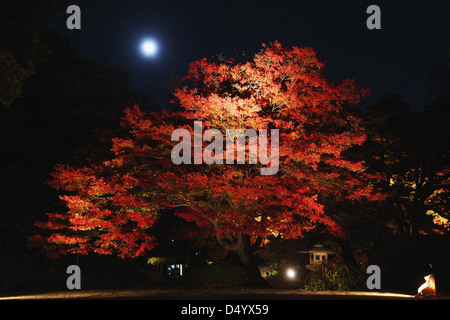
x,y
336,278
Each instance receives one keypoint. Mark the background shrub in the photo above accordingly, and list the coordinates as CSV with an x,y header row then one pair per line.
x,y
335,278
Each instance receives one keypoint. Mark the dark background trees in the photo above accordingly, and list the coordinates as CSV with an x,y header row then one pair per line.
x,y
407,234
53,106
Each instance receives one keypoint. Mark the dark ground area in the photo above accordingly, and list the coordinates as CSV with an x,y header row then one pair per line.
x,y
236,293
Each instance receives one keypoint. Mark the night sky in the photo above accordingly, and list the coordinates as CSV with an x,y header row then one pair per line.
x,y
398,58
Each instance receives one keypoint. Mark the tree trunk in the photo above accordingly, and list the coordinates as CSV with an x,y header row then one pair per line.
x,y
248,259
245,253
347,253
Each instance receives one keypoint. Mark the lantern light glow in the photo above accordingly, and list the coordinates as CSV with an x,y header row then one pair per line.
x,y
290,273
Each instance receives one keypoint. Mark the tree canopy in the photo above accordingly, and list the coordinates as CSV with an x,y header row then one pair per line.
x,y
113,204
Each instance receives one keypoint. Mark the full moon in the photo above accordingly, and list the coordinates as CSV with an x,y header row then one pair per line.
x,y
149,47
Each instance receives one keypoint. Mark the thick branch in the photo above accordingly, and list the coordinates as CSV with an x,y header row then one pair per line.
x,y
231,246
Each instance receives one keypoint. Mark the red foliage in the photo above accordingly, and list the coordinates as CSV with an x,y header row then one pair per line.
x,y
112,206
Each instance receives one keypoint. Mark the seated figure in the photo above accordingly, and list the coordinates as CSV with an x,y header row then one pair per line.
x,y
428,289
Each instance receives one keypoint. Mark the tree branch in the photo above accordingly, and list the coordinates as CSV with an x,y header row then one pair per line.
x,y
231,246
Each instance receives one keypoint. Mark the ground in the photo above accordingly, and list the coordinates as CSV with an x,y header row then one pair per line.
x,y
207,294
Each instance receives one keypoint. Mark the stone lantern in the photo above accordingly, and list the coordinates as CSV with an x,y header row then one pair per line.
x,y
318,256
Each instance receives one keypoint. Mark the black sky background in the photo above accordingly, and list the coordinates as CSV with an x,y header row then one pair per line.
x,y
397,58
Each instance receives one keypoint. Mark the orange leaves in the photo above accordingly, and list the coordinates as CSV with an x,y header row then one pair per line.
x,y
367,192
104,208
113,205
68,178
285,88
76,204
120,144
84,223
58,238
133,116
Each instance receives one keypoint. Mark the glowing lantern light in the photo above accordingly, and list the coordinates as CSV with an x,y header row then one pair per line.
x,y
290,273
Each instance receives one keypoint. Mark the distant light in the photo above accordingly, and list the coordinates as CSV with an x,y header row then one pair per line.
x,y
290,273
149,47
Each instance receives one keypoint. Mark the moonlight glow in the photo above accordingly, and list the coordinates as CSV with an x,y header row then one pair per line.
x,y
149,47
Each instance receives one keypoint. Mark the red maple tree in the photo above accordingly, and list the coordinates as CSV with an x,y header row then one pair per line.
x,y
113,205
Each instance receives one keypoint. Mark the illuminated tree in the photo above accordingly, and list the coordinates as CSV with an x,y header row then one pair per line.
x,y
114,204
